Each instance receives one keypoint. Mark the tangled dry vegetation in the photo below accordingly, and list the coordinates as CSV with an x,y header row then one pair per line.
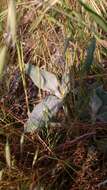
x,y
71,152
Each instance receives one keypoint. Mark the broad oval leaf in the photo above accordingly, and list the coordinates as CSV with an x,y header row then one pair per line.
x,y
50,106
43,79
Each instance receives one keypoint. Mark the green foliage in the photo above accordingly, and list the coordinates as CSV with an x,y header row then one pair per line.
x,y
90,55
32,159
43,113
43,79
98,19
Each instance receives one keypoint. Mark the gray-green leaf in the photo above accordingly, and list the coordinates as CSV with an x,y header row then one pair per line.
x,y
50,105
43,79
95,103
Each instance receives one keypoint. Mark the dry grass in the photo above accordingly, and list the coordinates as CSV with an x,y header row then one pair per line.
x,y
68,154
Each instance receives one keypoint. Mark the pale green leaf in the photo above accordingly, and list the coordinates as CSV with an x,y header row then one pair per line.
x,y
42,112
1,174
43,79
7,154
95,104
3,51
11,21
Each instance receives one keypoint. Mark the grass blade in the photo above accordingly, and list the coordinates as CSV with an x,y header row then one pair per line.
x,y
11,20
90,55
7,154
3,51
98,19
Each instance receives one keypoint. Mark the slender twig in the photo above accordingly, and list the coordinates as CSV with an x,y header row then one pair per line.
x,y
44,144
11,113
68,144
20,121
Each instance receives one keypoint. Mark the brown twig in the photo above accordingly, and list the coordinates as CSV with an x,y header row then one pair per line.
x,y
68,144
20,121
44,144
10,112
